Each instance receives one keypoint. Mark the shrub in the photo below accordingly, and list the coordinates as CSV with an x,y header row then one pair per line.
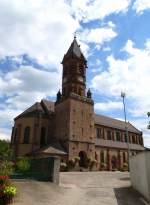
x,y
77,158
10,191
6,168
23,164
71,164
6,153
63,166
7,191
125,167
103,166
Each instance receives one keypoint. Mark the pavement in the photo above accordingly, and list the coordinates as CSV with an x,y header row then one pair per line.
x,y
80,188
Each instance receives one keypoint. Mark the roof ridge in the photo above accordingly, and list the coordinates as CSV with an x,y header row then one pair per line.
x,y
29,109
109,117
112,122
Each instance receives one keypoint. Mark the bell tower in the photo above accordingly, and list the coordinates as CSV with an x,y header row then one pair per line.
x,y
74,71
74,111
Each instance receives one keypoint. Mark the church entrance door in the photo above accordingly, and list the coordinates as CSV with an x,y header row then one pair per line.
x,y
83,159
114,162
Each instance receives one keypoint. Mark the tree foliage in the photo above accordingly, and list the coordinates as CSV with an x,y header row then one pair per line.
x,y
6,152
23,164
148,126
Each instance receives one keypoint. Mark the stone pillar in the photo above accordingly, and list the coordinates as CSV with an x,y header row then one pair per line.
x,y
108,160
56,169
119,160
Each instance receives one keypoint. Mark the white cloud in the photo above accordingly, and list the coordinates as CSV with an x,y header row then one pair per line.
x,y
23,87
28,84
107,49
106,106
98,35
141,5
5,134
130,75
42,29
98,9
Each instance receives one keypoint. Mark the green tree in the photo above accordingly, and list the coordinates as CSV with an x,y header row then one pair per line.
x,y
6,152
148,126
23,164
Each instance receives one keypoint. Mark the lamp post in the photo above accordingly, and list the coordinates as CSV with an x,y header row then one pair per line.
x,y
123,95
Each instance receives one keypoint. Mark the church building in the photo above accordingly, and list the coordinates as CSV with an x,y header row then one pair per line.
x,y
69,127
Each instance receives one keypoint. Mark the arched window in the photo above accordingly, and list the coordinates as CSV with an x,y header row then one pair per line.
x,y
43,136
26,135
118,137
125,136
124,157
109,135
102,157
133,139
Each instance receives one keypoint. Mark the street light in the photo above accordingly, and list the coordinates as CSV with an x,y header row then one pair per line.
x,y
123,95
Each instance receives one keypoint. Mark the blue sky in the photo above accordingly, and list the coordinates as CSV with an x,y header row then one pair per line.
x,y
114,36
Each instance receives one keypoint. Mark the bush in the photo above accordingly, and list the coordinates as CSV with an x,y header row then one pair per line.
x,y
76,158
6,194
23,164
7,191
103,166
6,168
10,191
63,166
6,153
71,164
125,167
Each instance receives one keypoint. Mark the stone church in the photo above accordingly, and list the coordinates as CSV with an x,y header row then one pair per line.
x,y
69,127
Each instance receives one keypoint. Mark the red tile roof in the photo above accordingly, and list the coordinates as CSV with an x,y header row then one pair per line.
x,y
114,123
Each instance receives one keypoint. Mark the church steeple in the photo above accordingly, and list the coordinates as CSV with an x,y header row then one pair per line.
x,y
74,52
74,71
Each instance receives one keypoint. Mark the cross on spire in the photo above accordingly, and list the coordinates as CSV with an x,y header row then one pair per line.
x,y
75,35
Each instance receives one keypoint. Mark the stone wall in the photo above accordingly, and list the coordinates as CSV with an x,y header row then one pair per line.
x,y
139,173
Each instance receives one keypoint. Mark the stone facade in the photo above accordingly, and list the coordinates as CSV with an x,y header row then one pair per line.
x,y
71,123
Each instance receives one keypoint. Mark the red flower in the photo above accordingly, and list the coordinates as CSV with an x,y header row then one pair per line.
x,y
3,179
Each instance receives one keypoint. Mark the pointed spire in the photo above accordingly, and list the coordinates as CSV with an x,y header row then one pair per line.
x,y
74,50
58,96
89,94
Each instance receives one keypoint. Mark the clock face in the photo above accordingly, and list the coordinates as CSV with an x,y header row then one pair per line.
x,y
80,79
64,80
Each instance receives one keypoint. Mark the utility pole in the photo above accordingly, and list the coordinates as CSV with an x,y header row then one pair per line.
x,y
123,95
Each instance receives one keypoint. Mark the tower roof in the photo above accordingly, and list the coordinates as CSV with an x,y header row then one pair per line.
x,y
74,51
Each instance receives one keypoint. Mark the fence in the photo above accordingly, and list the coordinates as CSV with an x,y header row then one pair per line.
x,y
42,169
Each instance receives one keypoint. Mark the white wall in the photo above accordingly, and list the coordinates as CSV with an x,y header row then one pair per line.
x,y
140,173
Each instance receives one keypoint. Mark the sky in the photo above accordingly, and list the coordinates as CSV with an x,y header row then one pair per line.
x,y
114,37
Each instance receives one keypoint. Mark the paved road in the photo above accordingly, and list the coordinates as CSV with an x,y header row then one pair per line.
x,y
80,188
